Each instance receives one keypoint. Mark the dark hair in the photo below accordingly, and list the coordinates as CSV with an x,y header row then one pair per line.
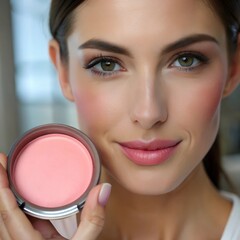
x,y
229,13
60,23
61,18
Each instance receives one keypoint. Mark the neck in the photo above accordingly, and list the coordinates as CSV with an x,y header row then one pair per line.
x,y
168,216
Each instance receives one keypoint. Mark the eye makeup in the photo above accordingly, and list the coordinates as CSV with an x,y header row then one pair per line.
x,y
51,170
104,66
181,60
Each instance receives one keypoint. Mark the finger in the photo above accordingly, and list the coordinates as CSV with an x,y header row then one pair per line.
x,y
92,216
15,221
3,231
45,228
4,235
3,160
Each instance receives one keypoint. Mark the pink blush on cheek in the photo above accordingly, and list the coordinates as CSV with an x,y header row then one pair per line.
x,y
53,170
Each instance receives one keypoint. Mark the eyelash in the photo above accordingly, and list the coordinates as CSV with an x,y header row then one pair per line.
x,y
104,59
195,56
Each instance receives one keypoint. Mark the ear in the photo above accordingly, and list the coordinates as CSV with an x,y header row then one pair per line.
x,y
234,74
62,69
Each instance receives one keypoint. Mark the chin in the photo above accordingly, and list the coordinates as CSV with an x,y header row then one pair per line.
x,y
151,185
153,190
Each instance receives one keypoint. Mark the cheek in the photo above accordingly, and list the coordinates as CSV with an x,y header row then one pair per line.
x,y
95,109
199,102
88,108
208,103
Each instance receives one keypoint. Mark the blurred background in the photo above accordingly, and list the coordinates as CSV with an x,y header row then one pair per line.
x,y
29,91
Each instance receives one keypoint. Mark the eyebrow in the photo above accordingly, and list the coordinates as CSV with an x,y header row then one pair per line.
x,y
105,46
183,42
189,40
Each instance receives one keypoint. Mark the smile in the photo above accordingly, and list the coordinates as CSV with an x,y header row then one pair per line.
x,y
150,153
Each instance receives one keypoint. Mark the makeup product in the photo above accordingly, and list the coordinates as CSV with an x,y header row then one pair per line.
x,y
51,170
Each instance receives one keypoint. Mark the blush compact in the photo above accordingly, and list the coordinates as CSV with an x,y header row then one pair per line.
x,y
51,169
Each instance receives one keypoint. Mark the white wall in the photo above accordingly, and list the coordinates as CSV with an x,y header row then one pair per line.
x,y
8,103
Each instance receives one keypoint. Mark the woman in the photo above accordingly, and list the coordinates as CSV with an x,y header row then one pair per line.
x,y
147,78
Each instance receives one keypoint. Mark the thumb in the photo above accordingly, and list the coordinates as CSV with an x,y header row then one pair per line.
x,y
92,216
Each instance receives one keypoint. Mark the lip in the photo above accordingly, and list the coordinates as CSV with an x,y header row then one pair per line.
x,y
149,153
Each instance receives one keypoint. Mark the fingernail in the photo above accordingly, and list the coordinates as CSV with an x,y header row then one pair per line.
x,y
104,194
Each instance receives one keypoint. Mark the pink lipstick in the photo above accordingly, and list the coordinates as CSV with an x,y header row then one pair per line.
x,y
149,153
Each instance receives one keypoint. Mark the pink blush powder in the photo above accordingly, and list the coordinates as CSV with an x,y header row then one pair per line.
x,y
53,170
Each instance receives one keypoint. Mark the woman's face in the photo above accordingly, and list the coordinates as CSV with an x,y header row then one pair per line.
x,y
147,78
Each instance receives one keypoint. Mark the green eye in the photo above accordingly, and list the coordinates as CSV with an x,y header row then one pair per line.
x,y
105,66
186,61
108,65
189,61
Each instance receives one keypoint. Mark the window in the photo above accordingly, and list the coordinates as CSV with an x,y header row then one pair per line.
x,y
38,92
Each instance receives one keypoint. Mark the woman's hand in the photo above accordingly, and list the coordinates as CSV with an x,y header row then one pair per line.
x,y
14,225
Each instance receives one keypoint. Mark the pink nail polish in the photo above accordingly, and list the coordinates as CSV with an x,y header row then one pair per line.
x,y
104,194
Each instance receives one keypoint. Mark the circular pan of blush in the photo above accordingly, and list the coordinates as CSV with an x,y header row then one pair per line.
x,y
51,169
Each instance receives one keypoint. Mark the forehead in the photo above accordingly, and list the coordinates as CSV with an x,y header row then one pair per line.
x,y
165,20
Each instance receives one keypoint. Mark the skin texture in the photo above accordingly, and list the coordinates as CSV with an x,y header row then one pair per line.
x,y
149,96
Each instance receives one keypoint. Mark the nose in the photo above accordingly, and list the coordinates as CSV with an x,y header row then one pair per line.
x,y
149,106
